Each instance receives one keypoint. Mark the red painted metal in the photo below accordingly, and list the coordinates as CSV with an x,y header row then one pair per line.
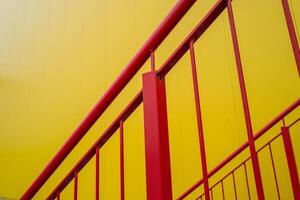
x,y
223,194
292,32
254,157
161,32
199,121
271,124
152,61
158,169
98,144
274,171
58,196
177,12
268,144
97,173
159,185
201,27
122,160
247,181
234,185
291,161
76,186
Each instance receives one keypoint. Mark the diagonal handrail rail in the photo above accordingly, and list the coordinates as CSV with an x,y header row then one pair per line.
x,y
199,29
130,70
263,130
157,37
131,107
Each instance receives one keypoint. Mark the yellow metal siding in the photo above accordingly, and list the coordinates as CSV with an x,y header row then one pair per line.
x,y
58,57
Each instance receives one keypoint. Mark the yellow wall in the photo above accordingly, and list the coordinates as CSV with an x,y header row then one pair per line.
x,y
58,57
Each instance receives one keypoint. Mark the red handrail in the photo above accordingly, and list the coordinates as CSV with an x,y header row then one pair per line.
x,y
161,32
243,147
98,144
131,69
285,134
202,26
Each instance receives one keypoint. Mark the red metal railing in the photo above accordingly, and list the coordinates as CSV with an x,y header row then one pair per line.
x,y
155,115
130,70
288,149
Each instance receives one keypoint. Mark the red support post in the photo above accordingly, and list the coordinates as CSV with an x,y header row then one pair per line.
x,y
291,161
76,186
97,173
254,157
292,32
122,160
158,167
157,37
199,121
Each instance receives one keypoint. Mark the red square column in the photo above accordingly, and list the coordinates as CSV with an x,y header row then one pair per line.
x,y
158,168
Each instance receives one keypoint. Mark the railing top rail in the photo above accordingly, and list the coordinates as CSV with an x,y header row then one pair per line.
x,y
161,32
136,101
267,127
200,28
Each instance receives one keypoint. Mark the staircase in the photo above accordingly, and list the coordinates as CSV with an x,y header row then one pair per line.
x,y
153,97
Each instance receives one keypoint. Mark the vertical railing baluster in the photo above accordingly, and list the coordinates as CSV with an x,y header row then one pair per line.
x,y
274,171
152,59
211,196
97,173
254,157
223,194
122,159
234,185
292,32
247,181
199,121
75,186
291,161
